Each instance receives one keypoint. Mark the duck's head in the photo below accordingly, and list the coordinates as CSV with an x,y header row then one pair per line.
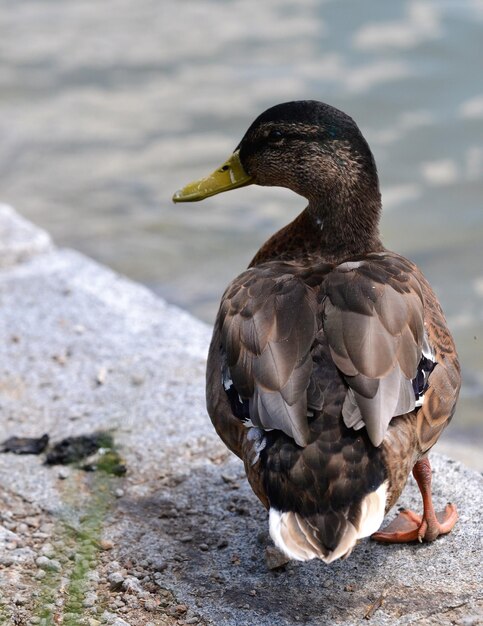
x,y
307,146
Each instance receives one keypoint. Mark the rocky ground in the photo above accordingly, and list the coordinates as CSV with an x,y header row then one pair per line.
x,y
178,538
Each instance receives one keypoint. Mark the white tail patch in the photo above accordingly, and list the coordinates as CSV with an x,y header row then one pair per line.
x,y
373,508
292,546
297,538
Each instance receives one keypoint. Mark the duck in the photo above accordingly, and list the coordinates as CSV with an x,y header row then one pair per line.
x,y
331,372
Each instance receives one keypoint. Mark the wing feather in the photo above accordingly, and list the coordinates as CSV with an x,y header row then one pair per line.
x,y
374,323
268,325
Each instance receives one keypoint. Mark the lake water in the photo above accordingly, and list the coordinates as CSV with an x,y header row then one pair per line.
x,y
106,108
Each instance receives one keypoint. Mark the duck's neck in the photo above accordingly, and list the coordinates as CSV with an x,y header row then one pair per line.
x,y
334,233
347,228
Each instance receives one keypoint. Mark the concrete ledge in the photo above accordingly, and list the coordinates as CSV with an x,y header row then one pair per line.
x,y
180,539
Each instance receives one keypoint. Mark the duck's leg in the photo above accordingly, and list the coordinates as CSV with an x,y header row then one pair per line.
x,y
409,526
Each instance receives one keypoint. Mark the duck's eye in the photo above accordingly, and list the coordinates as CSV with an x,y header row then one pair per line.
x,y
275,136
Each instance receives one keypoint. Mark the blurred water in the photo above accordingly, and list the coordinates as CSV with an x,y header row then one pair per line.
x,y
107,108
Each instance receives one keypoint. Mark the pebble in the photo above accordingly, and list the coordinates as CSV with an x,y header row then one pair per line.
x,y
48,550
33,522
113,566
150,605
186,538
7,521
92,576
274,558
159,565
63,473
119,493
132,585
19,600
90,600
204,547
106,544
46,527
40,535
115,580
48,564
101,375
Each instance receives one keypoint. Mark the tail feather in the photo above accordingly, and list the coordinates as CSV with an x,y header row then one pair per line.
x,y
304,539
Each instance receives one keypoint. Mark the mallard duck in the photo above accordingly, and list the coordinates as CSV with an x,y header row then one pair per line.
x,y
331,372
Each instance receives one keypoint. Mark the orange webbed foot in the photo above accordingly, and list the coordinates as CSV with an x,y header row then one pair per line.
x,y
402,529
408,526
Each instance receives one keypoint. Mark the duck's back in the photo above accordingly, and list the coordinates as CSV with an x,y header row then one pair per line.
x,y
309,366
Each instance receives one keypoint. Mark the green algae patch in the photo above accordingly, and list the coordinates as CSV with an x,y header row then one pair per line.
x,y
67,593
86,538
3,611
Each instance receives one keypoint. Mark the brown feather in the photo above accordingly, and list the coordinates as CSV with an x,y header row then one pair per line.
x,y
375,332
267,328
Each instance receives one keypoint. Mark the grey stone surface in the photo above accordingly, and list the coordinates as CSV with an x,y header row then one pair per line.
x,y
82,349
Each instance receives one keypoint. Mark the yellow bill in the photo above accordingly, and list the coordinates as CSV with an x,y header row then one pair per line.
x,y
229,176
